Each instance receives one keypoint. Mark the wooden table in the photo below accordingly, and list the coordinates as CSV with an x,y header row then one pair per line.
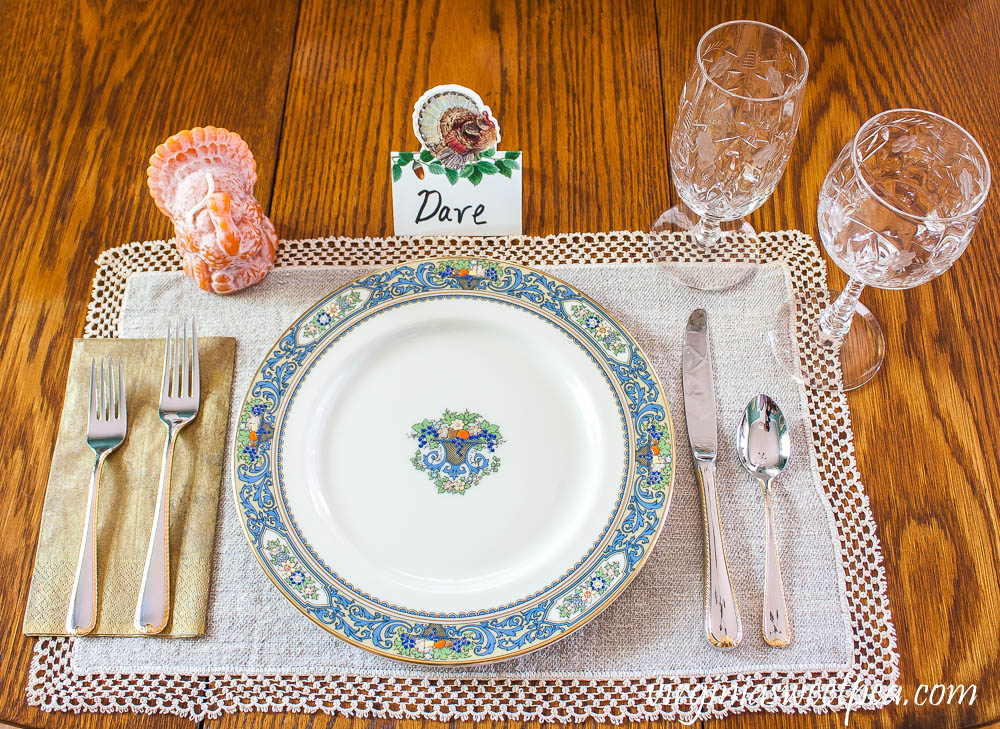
x,y
322,91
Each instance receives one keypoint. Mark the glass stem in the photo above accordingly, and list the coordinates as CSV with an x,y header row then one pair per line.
x,y
835,322
707,232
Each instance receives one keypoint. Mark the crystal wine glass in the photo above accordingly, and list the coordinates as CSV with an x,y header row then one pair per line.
x,y
896,209
737,118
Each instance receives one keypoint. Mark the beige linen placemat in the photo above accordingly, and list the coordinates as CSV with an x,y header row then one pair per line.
x,y
127,492
597,673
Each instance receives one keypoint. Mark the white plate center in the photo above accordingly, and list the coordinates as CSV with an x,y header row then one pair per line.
x,y
382,525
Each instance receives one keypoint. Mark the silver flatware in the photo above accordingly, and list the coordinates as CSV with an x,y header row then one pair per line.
x,y
107,426
723,626
763,446
180,395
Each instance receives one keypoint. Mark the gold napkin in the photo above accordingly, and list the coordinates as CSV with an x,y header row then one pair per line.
x,y
127,493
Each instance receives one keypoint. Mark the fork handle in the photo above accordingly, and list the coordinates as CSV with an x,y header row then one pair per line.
x,y
152,612
81,616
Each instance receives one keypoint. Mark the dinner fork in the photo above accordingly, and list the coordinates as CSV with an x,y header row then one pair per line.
x,y
180,394
106,428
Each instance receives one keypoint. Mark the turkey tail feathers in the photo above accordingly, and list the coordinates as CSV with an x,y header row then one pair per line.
x,y
433,107
214,149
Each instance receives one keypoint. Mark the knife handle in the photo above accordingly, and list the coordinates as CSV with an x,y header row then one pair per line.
x,y
723,626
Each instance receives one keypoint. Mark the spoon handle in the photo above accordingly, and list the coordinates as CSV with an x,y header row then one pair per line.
x,y
723,626
776,630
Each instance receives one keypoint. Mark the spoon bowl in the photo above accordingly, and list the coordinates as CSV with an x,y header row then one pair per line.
x,y
762,441
763,447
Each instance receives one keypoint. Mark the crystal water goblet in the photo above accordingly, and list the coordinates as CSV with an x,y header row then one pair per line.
x,y
736,122
896,209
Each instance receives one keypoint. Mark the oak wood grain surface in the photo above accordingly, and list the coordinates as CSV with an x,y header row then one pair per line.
x,y
323,91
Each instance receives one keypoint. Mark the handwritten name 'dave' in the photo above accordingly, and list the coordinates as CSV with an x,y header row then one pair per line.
x,y
432,207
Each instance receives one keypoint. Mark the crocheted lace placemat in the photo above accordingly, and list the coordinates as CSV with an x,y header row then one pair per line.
x,y
859,668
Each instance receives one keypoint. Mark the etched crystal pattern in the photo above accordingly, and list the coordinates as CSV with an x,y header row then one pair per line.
x,y
737,118
899,205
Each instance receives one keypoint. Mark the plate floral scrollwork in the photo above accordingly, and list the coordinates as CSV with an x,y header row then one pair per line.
x,y
488,635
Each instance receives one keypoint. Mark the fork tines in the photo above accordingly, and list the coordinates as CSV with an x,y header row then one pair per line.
x,y
107,394
181,370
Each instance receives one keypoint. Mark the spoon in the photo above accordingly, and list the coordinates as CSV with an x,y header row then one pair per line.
x,y
763,447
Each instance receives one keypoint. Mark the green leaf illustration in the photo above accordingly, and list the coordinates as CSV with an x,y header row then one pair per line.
x,y
502,168
436,169
451,174
426,156
476,177
467,171
397,172
511,155
486,167
514,165
404,158
488,152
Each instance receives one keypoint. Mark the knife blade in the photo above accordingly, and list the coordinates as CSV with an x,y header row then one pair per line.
x,y
723,626
699,388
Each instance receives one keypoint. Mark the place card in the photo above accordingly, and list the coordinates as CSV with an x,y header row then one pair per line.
x,y
460,182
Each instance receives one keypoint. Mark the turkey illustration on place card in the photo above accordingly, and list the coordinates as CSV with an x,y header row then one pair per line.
x,y
459,183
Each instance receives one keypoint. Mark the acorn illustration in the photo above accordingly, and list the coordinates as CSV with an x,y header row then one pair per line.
x,y
419,172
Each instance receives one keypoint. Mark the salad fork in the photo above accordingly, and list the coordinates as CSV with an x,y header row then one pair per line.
x,y
107,425
180,394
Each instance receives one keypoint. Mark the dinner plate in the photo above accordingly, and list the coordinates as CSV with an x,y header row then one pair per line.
x,y
453,461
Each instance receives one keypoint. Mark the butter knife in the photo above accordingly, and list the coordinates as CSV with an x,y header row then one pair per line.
x,y
723,626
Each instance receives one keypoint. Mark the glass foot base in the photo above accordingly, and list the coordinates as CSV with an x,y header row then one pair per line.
x,y
809,360
675,246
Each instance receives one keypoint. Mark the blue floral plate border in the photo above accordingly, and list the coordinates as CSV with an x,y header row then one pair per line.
x,y
487,636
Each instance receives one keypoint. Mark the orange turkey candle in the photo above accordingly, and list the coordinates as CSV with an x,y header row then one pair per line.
x,y
202,179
